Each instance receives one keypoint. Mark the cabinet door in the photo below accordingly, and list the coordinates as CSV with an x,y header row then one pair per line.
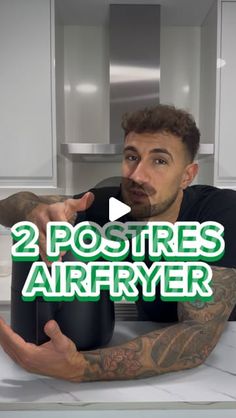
x,y
27,147
225,158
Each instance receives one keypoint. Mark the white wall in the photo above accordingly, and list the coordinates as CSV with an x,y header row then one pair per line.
x,y
87,116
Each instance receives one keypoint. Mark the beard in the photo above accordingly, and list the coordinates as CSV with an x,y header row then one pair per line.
x,y
142,208
159,208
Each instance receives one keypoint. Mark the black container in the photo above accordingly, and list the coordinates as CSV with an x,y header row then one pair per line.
x,y
89,324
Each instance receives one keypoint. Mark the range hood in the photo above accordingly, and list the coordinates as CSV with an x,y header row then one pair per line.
x,y
134,61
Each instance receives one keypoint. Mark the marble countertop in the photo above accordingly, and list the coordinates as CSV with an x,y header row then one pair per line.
x,y
209,386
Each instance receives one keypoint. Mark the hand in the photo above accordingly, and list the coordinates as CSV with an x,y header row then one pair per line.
x,y
57,358
60,211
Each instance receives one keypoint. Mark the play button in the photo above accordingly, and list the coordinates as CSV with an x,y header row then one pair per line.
x,y
117,198
117,209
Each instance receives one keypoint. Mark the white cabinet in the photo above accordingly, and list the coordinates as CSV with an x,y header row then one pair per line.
x,y
225,146
27,119
218,92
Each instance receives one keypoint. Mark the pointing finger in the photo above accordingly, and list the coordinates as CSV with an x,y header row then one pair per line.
x,y
78,205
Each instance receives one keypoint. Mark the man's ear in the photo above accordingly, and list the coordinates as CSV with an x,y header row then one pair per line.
x,y
189,174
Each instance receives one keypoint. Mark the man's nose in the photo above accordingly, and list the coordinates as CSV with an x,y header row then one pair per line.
x,y
140,175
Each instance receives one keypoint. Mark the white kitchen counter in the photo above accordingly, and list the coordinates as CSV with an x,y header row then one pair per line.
x,y
210,387
206,390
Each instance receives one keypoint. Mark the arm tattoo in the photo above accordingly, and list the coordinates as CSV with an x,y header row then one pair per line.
x,y
16,207
177,347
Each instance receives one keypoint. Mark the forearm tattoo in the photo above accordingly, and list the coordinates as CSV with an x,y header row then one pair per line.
x,y
16,207
177,347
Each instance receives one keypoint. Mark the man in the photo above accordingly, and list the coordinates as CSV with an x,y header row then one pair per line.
x,y
159,150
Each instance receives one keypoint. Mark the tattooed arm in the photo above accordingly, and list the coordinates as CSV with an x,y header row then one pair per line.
x,y
177,347
40,210
19,206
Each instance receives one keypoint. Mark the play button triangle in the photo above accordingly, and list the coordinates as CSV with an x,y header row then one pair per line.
x,y
117,209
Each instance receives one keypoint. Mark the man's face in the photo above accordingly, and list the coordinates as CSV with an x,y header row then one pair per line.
x,y
155,168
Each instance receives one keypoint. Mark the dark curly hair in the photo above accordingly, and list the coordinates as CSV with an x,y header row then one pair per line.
x,y
164,118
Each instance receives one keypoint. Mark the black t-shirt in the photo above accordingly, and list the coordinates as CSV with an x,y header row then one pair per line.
x,y
200,203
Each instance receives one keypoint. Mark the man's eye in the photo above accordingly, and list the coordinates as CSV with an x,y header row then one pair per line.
x,y
131,157
160,161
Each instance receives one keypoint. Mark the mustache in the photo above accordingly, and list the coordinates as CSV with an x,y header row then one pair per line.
x,y
134,187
